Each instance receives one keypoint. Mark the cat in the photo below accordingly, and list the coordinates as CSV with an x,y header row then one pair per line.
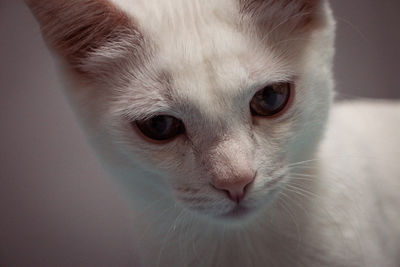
x,y
216,117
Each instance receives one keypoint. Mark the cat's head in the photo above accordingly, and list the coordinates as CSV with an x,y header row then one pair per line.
x,y
211,101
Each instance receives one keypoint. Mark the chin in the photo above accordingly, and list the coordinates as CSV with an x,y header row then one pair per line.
x,y
235,216
238,215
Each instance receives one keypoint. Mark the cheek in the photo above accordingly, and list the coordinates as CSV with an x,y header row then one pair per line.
x,y
307,129
192,195
273,139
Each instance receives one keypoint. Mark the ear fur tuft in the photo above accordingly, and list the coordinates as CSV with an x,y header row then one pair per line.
x,y
287,15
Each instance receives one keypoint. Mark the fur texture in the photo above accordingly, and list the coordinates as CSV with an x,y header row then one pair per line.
x,y
309,204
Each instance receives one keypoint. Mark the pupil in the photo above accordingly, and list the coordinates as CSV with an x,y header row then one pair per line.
x,y
159,124
270,97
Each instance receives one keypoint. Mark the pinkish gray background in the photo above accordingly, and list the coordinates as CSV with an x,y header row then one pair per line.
x,y
57,207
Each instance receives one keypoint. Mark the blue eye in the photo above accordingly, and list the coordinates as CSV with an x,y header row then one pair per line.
x,y
271,100
161,128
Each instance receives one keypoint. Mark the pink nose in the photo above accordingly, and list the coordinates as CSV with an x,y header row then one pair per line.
x,y
235,188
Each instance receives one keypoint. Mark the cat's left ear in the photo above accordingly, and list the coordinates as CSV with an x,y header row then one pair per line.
x,y
79,29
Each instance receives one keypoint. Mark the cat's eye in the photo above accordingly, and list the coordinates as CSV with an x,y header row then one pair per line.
x,y
161,128
271,100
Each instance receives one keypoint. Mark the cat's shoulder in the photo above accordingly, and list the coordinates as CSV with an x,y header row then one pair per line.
x,y
362,140
371,121
360,156
362,112
362,143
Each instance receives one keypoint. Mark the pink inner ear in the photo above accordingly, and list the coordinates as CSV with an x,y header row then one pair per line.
x,y
74,28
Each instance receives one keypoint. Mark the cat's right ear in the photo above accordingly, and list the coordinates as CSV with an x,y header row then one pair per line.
x,y
283,16
76,29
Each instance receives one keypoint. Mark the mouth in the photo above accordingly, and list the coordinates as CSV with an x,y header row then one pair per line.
x,y
237,212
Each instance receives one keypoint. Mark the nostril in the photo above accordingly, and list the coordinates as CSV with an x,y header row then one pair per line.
x,y
227,193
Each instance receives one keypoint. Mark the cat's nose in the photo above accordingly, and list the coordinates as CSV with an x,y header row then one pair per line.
x,y
234,188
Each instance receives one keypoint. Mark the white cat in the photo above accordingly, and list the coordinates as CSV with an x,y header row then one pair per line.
x,y
211,113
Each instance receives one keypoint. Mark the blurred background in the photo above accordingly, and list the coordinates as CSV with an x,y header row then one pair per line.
x,y
57,207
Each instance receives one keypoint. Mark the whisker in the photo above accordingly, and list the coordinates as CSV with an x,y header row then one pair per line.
x,y
305,191
150,225
173,228
294,174
302,162
291,214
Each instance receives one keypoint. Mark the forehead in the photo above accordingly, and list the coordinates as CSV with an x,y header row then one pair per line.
x,y
189,32
200,44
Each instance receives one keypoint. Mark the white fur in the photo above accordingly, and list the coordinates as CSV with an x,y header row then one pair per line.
x,y
338,203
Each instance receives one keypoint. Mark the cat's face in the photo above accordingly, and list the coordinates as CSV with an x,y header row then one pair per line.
x,y
214,99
